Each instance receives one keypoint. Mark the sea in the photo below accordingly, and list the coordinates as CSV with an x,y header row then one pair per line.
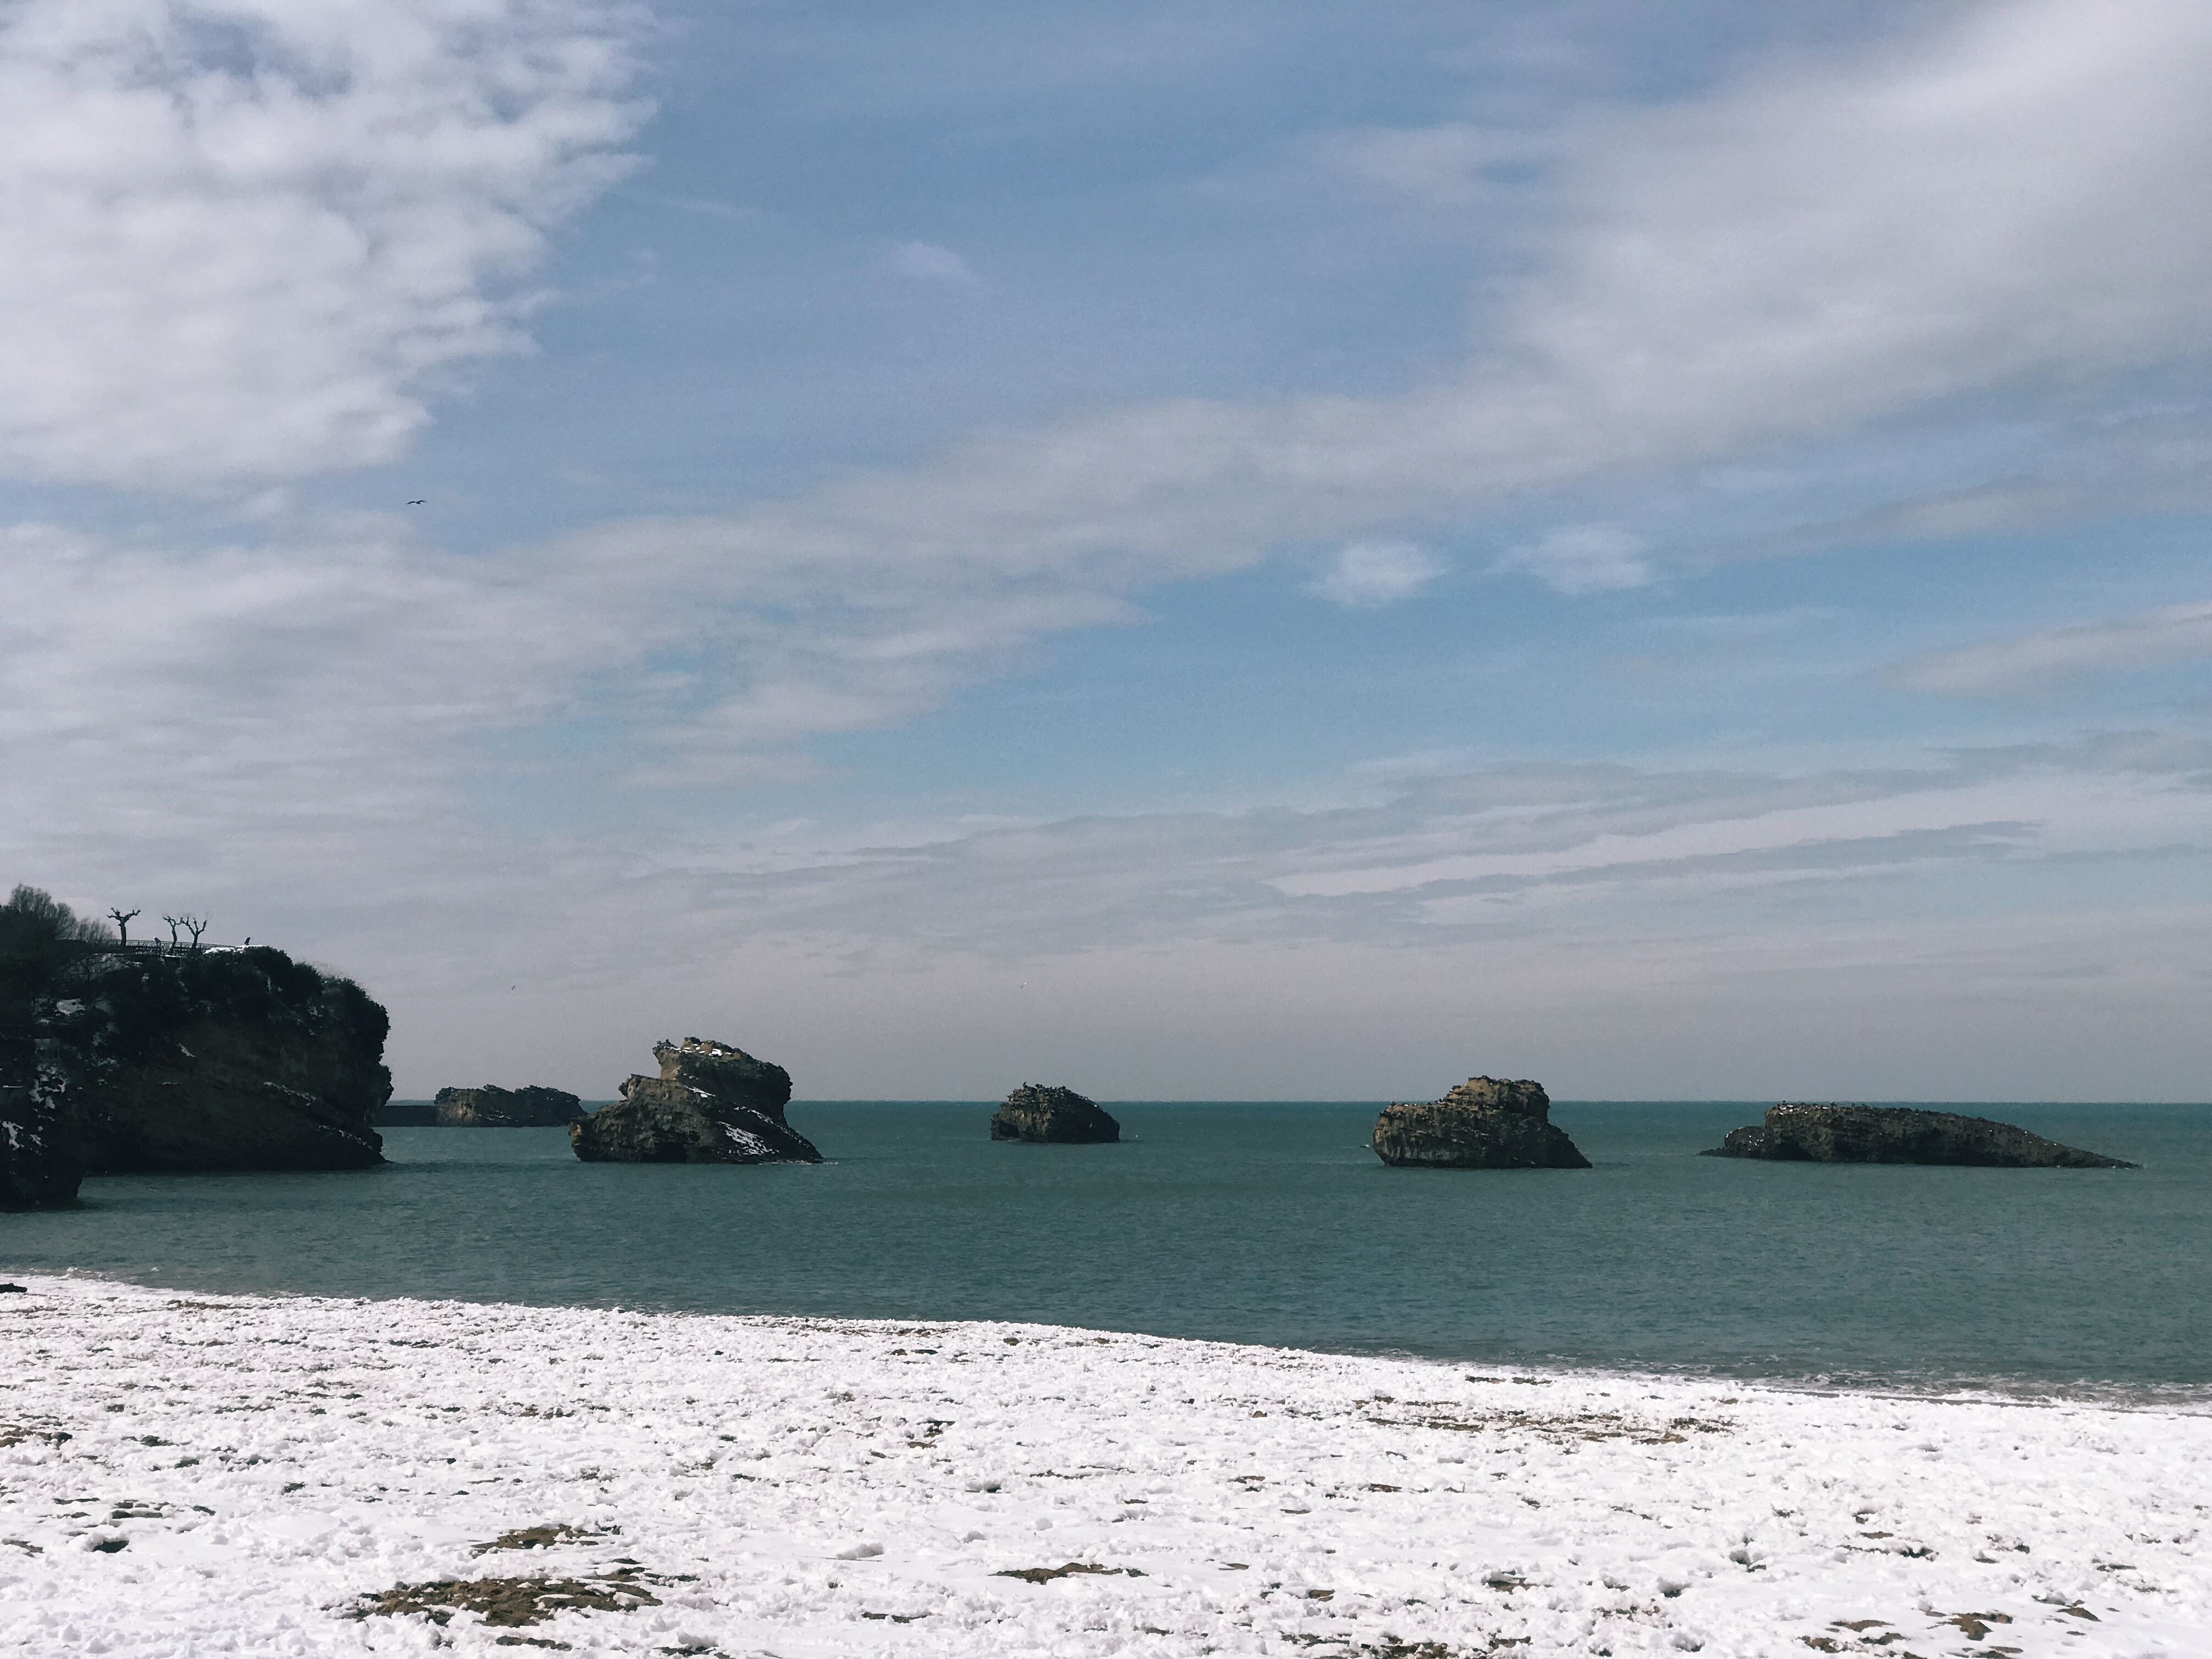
x,y
1272,1223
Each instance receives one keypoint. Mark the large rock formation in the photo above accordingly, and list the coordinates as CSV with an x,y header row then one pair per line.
x,y
1798,1131
1486,1123
491,1107
712,1103
230,1059
152,1058
1042,1112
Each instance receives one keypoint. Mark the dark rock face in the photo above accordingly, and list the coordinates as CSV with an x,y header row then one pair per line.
x,y
41,1148
188,1061
1799,1132
41,1137
1039,1113
494,1107
1486,1123
236,1060
712,1103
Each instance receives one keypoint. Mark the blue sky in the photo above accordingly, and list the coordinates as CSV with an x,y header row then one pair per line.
x,y
1197,550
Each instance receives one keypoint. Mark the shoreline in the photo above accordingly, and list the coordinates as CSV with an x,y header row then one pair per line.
x,y
2190,1398
245,1470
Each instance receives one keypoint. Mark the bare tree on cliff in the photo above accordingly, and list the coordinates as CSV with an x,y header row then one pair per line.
x,y
195,926
174,923
121,918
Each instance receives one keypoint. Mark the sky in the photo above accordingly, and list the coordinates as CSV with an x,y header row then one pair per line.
x,y
1196,550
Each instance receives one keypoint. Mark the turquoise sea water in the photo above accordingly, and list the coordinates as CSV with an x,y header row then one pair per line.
x,y
1269,1224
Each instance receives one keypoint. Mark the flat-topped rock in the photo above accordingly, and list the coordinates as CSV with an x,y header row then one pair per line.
x,y
712,1103
1486,1123
1041,1112
1799,1132
532,1107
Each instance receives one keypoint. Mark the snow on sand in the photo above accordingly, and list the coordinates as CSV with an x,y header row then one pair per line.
x,y
199,1475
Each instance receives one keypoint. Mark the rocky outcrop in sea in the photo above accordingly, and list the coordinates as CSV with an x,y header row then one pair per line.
x,y
712,1103
1486,1123
490,1106
1799,1132
1042,1113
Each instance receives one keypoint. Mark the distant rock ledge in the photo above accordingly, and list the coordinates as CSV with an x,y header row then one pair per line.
x,y
1800,1133
1486,1123
491,1107
712,1103
1048,1114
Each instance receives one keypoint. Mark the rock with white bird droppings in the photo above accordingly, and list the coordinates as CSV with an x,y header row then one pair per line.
x,y
712,1103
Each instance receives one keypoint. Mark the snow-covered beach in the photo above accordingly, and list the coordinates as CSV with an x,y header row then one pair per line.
x,y
186,1474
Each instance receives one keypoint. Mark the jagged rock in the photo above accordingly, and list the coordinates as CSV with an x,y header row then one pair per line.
x,y
712,1103
491,1107
1798,1132
1039,1112
1486,1123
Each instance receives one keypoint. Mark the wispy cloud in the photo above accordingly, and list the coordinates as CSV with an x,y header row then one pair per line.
x,y
1368,575
2025,662
1782,259
926,262
240,234
1583,558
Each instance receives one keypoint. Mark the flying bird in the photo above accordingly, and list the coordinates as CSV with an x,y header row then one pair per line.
x,y
423,501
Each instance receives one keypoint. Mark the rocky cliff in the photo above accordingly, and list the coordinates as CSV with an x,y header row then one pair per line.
x,y
1798,1131
712,1103
1486,1123
116,1058
1039,1112
232,1059
491,1107
41,1150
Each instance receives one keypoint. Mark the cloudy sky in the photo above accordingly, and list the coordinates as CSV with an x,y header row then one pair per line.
x,y
1196,550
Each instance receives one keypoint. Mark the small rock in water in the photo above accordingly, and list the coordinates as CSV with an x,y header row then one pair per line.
x,y
1038,1112
1796,1132
494,1108
1486,1123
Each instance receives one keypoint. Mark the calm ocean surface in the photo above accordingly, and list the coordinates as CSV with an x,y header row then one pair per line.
x,y
1269,1224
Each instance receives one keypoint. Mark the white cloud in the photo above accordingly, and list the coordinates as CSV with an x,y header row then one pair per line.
x,y
1368,575
926,262
1987,206
233,277
2025,662
240,232
1582,558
